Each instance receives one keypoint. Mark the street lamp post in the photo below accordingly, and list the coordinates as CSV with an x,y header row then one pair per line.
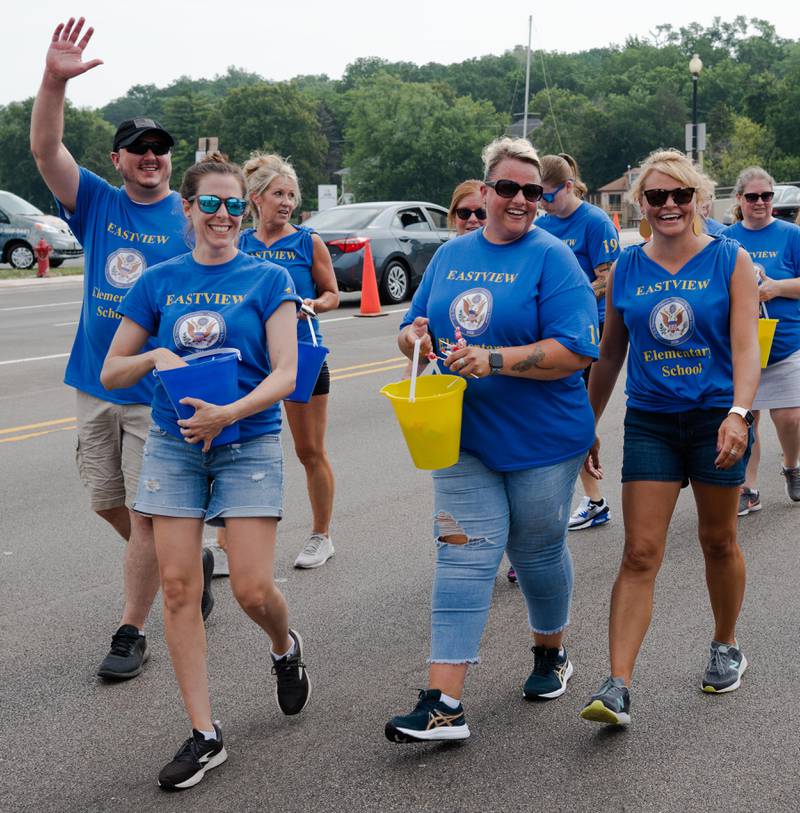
x,y
695,66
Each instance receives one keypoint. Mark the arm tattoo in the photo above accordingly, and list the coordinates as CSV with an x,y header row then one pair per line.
x,y
530,362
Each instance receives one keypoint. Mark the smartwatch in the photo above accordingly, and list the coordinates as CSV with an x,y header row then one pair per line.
x,y
745,414
495,363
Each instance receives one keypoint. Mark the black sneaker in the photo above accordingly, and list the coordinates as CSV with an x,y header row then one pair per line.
x,y
430,720
294,689
726,665
127,655
207,601
792,477
196,756
610,704
550,674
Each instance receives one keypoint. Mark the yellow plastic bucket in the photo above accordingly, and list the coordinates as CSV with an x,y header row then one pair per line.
x,y
431,425
766,333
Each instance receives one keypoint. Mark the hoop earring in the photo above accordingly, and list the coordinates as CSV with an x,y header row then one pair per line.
x,y
698,227
645,229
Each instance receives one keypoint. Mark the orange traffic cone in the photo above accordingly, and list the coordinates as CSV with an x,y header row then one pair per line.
x,y
616,222
370,302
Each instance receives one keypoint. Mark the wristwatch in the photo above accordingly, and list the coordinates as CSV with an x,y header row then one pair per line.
x,y
495,363
745,414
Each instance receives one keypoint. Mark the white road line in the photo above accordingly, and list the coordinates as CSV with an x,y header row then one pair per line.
x,y
344,318
64,324
49,305
35,358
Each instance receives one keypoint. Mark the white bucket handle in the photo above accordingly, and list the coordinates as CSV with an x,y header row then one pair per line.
x,y
414,362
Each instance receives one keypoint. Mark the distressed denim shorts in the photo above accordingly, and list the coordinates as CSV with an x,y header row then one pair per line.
x,y
178,479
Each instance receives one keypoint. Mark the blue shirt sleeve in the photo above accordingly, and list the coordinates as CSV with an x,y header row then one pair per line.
x,y
281,290
139,304
90,186
603,241
419,304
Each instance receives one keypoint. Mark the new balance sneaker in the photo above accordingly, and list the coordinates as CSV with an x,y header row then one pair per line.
x,y
317,550
196,756
551,671
792,477
610,704
294,688
207,600
726,663
749,501
588,514
127,655
221,567
431,720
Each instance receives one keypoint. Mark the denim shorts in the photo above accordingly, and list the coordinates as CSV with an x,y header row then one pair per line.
x,y
178,479
678,447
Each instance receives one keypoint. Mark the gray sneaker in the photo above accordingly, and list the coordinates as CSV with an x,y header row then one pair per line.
x,y
792,483
726,663
610,704
221,567
317,550
749,501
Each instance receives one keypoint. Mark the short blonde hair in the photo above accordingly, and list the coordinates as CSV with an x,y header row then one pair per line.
x,y
262,169
672,163
463,190
518,149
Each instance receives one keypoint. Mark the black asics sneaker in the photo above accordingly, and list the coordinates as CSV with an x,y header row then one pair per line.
x,y
294,688
430,720
196,756
127,655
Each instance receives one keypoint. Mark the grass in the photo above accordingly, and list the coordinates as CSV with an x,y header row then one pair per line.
x,y
30,273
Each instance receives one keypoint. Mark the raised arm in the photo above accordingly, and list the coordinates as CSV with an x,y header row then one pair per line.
x,y
64,61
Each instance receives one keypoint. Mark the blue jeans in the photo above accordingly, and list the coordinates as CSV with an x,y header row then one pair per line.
x,y
523,513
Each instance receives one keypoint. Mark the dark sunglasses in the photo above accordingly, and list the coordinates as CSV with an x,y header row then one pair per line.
x,y
508,189
465,214
141,147
658,197
549,197
752,197
211,203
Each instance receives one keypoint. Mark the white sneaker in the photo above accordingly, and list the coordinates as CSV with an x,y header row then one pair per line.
x,y
317,550
220,558
589,514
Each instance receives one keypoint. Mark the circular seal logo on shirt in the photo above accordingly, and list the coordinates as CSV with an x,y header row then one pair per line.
x,y
200,330
471,311
124,266
672,321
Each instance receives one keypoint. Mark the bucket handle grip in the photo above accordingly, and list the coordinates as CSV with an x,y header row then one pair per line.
x,y
202,353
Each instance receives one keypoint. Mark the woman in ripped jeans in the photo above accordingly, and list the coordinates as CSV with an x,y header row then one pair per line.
x,y
520,300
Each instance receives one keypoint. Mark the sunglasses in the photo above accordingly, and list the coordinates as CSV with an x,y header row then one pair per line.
x,y
211,203
752,197
658,197
509,189
549,197
465,214
141,147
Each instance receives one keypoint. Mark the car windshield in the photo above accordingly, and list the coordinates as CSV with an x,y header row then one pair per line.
x,y
342,218
787,194
13,205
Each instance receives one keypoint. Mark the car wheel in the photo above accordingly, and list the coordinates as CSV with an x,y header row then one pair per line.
x,y
56,263
21,256
395,283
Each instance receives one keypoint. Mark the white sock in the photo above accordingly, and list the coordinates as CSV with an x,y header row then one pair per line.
x,y
292,649
209,735
450,702
561,652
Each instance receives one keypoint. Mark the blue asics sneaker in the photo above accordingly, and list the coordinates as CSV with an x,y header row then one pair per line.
x,y
430,720
588,514
610,704
550,674
726,663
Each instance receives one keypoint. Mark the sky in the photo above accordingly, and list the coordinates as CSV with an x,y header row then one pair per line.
x,y
157,42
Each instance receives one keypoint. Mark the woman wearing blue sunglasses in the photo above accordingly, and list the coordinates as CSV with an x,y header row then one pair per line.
x,y
591,235
214,297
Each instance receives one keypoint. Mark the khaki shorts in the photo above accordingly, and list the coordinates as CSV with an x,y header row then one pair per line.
x,y
109,451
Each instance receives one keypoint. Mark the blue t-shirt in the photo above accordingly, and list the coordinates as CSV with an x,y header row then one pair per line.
x,y
591,235
713,227
508,296
775,250
120,240
295,253
189,307
679,328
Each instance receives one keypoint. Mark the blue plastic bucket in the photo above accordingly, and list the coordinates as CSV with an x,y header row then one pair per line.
x,y
211,375
310,358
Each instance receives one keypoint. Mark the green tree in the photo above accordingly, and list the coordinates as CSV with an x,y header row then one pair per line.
x,y
749,144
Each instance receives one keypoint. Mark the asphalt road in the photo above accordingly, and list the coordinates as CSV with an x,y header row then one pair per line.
x,y
72,743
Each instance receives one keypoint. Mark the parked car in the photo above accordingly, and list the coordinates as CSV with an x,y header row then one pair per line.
x,y
403,237
785,204
22,226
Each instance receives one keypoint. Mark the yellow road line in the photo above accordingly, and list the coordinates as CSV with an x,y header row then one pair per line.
x,y
36,425
37,434
369,364
368,372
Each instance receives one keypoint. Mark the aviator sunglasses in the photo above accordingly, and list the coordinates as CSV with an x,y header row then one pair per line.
x,y
211,203
658,197
752,197
508,189
141,147
465,214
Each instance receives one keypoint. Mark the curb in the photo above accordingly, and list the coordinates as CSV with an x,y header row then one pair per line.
x,y
21,283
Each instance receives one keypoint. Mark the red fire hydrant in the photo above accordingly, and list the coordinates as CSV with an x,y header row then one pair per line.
x,y
43,250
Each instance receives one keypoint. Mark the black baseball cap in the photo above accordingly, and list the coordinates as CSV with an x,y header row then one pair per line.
x,y
130,130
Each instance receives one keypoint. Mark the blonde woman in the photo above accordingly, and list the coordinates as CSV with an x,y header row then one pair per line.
x,y
683,307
